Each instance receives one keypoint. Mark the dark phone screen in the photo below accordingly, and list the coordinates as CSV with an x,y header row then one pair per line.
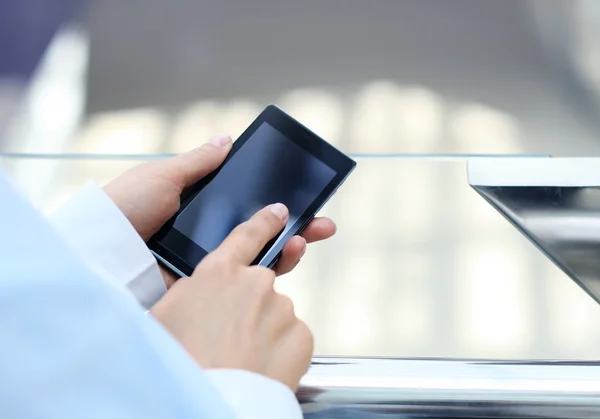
x,y
268,168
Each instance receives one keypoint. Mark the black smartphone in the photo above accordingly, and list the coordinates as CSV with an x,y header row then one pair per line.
x,y
276,159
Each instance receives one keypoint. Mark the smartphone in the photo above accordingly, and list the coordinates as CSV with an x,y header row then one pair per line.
x,y
276,159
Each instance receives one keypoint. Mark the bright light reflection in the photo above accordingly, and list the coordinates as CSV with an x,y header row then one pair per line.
x,y
195,126
319,110
492,301
478,128
373,118
409,314
52,109
123,132
419,119
393,118
411,189
574,317
363,198
54,101
354,321
236,116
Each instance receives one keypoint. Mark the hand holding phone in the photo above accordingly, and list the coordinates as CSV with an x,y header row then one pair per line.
x,y
275,160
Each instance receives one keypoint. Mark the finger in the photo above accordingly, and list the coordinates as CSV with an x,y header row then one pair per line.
x,y
291,253
169,277
190,167
263,281
299,345
247,240
283,317
319,229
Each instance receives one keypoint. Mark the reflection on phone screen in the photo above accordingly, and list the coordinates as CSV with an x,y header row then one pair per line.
x,y
267,169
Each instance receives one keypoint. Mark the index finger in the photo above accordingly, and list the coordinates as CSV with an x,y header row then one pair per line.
x,y
247,240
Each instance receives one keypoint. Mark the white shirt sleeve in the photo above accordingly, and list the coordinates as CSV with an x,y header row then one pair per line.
x,y
254,396
93,225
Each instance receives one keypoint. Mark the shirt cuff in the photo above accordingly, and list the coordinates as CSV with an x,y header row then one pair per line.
x,y
91,223
254,396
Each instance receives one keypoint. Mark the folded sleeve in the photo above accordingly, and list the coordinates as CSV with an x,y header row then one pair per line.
x,y
95,227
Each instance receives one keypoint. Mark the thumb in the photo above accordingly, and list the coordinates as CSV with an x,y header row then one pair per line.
x,y
195,164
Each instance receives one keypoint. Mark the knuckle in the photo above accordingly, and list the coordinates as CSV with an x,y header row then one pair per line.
x,y
305,338
264,272
220,262
286,306
206,155
216,259
204,150
263,279
251,233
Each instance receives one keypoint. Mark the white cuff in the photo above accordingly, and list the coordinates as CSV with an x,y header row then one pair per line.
x,y
254,396
93,225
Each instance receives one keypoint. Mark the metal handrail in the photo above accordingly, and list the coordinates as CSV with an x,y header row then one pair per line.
x,y
443,388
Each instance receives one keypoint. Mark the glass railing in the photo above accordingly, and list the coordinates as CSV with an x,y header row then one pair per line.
x,y
421,265
421,274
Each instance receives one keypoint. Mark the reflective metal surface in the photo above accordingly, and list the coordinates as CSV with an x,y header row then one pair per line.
x,y
441,388
555,202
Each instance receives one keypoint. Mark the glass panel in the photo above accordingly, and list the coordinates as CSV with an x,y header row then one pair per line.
x,y
421,266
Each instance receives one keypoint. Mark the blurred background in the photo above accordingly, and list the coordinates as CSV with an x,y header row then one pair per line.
x,y
421,266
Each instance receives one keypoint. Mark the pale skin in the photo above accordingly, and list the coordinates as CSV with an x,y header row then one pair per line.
x,y
149,195
227,314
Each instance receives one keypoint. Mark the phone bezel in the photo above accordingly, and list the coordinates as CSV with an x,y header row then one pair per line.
x,y
167,245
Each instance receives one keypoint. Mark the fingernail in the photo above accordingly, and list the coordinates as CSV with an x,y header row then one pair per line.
x,y
303,250
221,140
280,211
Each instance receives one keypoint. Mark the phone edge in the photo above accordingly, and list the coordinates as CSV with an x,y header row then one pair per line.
x,y
168,264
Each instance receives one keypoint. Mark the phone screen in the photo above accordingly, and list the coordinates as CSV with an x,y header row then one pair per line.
x,y
268,168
